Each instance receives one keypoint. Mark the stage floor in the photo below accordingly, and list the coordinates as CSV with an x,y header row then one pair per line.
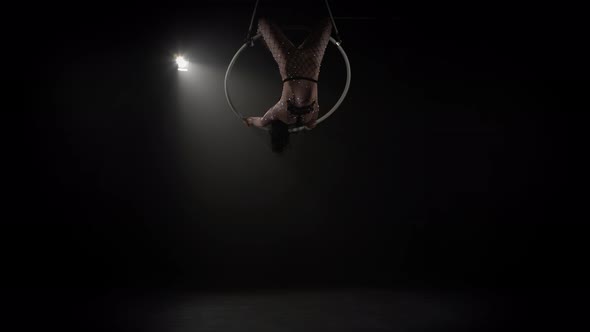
x,y
295,310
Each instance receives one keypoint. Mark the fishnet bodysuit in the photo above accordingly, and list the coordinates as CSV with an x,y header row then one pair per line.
x,y
296,61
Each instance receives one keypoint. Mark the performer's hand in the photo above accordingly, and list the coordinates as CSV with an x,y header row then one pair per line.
x,y
311,124
247,121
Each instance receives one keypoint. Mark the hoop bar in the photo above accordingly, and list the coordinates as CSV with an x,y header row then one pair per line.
x,y
292,130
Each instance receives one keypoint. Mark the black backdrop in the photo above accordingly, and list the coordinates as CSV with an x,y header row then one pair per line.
x,y
455,161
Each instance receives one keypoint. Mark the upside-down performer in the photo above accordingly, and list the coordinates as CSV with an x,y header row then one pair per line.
x,y
300,68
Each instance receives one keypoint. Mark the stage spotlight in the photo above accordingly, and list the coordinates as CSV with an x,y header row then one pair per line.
x,y
182,63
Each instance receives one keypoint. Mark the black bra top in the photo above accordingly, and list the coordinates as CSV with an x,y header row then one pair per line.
x,y
299,111
299,78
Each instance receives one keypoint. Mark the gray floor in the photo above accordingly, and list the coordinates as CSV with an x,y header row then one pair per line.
x,y
296,310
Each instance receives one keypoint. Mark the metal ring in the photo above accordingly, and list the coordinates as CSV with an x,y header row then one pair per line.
x,y
327,115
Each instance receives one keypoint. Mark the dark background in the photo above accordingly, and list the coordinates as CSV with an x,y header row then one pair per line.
x,y
455,162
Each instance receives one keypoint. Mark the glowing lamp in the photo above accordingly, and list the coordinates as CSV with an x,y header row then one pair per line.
x,y
182,63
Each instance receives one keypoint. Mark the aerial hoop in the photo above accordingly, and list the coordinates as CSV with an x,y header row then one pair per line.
x,y
296,129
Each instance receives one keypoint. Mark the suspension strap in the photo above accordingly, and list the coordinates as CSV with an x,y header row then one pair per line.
x,y
338,39
250,35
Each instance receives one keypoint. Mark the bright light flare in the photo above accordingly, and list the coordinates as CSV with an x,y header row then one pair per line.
x,y
182,63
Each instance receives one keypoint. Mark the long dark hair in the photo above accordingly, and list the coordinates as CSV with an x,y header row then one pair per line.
x,y
279,135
